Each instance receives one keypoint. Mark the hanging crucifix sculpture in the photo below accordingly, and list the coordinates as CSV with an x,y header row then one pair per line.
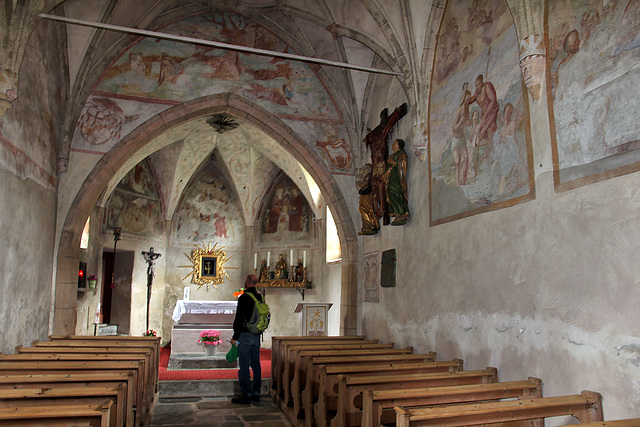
x,y
150,257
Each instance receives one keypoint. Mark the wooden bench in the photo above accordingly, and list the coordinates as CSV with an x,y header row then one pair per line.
x,y
57,396
74,380
13,367
278,357
299,370
318,401
351,388
152,343
586,407
63,415
147,371
377,405
145,353
291,359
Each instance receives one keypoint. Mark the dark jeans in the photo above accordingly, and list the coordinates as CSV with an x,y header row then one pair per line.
x,y
249,356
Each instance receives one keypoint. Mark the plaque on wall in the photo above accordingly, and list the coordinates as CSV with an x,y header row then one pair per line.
x,y
388,269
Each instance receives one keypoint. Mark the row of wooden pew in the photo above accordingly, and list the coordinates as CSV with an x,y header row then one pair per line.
x,y
80,381
352,381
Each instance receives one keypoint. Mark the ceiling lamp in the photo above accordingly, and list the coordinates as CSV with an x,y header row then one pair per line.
x,y
222,123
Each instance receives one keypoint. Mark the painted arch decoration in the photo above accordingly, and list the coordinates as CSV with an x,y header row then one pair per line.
x,y
480,156
153,75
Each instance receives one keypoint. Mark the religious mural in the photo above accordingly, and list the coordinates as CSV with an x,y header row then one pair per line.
x,y
157,74
134,205
597,130
479,147
286,217
208,212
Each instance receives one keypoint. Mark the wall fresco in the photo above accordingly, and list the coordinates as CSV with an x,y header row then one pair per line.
x,y
134,205
597,133
162,73
286,217
208,212
479,155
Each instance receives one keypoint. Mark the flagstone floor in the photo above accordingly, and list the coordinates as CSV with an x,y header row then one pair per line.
x,y
217,412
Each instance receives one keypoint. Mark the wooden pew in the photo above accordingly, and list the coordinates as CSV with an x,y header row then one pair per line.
x,y
300,366
377,405
13,367
116,341
277,353
586,407
278,341
351,388
146,371
146,353
74,380
291,354
317,402
629,422
29,397
63,415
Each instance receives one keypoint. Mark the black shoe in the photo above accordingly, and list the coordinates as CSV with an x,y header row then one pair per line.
x,y
255,398
242,399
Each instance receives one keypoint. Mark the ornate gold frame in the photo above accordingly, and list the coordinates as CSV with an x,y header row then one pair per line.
x,y
207,264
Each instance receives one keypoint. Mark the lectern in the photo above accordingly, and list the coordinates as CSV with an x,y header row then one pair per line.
x,y
313,318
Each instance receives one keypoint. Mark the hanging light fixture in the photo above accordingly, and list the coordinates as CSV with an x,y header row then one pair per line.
x,y
222,123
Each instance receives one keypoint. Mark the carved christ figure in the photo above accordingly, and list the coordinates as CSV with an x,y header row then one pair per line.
x,y
377,141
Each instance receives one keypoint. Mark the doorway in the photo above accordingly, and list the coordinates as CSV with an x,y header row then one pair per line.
x,y
117,273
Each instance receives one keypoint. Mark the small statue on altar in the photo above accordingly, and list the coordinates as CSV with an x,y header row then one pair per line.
x,y
264,272
299,272
281,268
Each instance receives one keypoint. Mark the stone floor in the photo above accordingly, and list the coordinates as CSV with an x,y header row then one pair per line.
x,y
217,412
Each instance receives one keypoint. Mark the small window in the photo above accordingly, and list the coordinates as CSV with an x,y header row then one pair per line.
x,y
84,241
334,253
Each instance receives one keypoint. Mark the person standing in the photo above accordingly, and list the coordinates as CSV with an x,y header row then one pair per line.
x,y
248,345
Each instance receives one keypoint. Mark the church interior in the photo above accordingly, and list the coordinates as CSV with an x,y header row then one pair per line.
x,y
454,176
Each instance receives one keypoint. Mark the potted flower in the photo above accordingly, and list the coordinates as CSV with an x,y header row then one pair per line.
x,y
211,339
238,292
92,280
150,333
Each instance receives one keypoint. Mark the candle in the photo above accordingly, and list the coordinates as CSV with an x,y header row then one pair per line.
x,y
304,259
255,261
291,257
269,259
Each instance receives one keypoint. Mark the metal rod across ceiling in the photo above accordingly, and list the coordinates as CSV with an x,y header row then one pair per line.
x,y
192,40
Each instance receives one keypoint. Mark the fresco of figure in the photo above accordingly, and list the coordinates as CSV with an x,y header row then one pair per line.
x,y
377,140
396,182
370,224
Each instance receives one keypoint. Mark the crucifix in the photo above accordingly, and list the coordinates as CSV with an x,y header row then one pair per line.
x,y
150,257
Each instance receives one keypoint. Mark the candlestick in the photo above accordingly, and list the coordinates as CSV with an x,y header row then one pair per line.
x,y
255,260
291,257
269,259
304,259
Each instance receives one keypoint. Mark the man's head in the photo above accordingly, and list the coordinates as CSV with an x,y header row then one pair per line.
x,y
250,281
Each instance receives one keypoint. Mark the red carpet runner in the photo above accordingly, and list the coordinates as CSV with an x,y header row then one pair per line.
x,y
208,374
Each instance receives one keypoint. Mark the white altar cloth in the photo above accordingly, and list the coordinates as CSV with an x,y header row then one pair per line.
x,y
184,309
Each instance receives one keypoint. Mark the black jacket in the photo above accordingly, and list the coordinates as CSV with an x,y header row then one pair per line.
x,y
244,311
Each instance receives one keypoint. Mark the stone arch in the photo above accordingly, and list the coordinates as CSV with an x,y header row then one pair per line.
x,y
95,183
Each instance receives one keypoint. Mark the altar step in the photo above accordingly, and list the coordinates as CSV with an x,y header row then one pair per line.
x,y
183,361
170,389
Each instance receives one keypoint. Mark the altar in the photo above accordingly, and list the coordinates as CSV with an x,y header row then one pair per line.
x,y
190,319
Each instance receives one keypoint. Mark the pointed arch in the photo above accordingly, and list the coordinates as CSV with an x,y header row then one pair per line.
x,y
242,109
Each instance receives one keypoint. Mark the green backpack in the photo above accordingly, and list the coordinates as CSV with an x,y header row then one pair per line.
x,y
260,317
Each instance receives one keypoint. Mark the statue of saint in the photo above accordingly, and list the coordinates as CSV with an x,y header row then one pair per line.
x,y
264,272
370,224
281,267
396,181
